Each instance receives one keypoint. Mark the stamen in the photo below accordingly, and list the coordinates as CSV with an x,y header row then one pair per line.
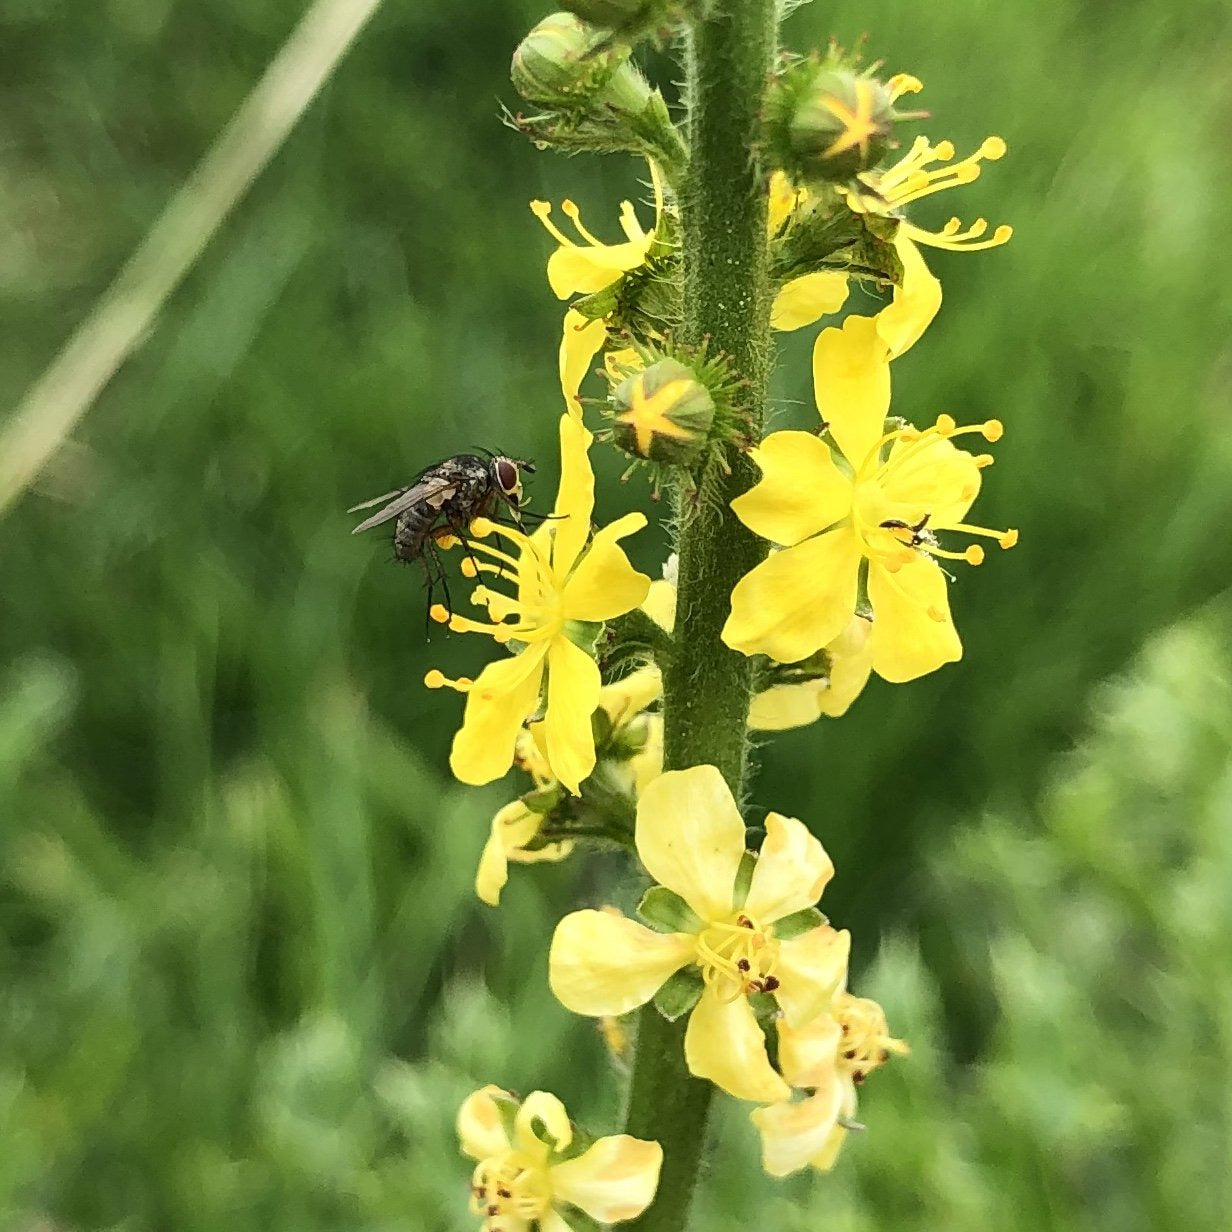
x,y
435,679
543,211
571,211
903,83
440,613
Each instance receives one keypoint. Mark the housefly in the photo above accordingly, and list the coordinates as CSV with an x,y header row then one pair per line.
x,y
442,501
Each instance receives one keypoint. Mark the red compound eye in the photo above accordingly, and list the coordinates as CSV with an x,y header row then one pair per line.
x,y
506,475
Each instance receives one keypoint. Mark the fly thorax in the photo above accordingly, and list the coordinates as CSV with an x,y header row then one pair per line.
x,y
508,1191
738,957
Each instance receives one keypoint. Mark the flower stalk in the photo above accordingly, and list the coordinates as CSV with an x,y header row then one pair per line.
x,y
707,686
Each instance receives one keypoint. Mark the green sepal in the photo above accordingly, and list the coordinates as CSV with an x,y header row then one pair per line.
x,y
508,1107
744,877
798,923
679,994
765,1009
584,634
582,1142
578,1220
544,799
666,911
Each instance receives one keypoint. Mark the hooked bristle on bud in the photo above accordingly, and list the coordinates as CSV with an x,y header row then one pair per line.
x,y
564,62
662,414
827,122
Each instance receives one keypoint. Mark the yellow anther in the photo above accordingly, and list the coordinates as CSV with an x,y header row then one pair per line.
x,y
481,528
1009,539
993,148
470,570
903,83
983,460
541,209
992,430
943,151
434,679
440,613
946,424
974,555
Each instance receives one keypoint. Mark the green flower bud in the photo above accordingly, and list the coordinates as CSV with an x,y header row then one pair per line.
x,y
663,414
563,62
624,16
842,126
827,122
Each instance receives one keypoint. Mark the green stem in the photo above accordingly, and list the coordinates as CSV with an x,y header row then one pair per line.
x,y
706,686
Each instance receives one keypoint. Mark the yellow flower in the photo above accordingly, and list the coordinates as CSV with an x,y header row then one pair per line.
x,y
740,936
849,665
895,491
887,193
516,826
565,588
529,1164
586,268
798,703
828,1058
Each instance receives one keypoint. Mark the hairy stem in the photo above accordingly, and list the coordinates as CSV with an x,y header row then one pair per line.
x,y
706,686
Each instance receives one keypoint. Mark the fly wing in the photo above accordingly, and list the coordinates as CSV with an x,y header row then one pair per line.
x,y
427,490
376,500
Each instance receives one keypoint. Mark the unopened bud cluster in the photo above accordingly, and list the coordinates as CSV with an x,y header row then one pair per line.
x,y
662,414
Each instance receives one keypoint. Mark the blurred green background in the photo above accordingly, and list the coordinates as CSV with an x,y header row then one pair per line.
x,y
245,981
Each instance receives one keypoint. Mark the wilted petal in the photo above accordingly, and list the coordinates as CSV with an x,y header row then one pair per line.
x,y
504,694
791,871
480,1128
913,633
807,299
614,1180
915,302
808,1055
801,491
851,380
690,837
573,695
796,1135
811,969
796,600
724,1044
604,585
601,963
851,662
512,827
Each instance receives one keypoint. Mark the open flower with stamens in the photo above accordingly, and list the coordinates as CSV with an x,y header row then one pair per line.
x,y
586,265
741,933
876,505
825,1060
532,1165
925,169
567,584
635,756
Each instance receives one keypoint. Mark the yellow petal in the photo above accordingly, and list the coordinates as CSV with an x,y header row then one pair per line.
x,y
549,1221
480,1129
504,694
796,600
913,633
583,271
791,871
724,1044
784,198
575,497
851,662
807,299
915,303
601,963
660,604
936,478
626,698
811,969
808,1055
690,837
573,695
553,1121
796,1135
800,492
581,341
604,584
851,380
784,706
512,827
615,1180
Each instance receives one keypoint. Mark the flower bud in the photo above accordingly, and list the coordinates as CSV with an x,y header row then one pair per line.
x,y
623,16
663,414
827,122
564,62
